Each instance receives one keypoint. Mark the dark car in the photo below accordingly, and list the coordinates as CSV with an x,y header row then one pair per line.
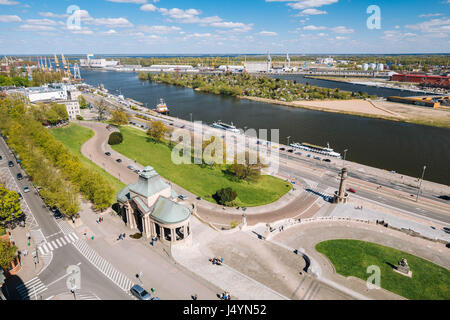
x,y
326,160
291,151
119,160
19,176
108,154
140,293
1,158
20,195
283,149
58,215
11,164
351,190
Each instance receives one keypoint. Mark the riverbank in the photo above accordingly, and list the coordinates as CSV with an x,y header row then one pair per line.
x,y
378,109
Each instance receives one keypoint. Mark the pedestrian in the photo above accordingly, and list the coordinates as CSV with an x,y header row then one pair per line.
x,y
124,235
153,290
96,220
194,297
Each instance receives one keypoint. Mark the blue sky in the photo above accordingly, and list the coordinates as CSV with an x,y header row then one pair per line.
x,y
226,26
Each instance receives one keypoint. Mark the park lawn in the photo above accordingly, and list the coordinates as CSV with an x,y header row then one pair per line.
x,y
73,137
201,181
352,257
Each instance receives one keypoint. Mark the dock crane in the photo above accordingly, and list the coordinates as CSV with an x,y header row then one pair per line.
x,y
56,63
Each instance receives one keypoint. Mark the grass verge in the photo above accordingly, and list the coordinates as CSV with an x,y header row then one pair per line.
x,y
352,257
73,137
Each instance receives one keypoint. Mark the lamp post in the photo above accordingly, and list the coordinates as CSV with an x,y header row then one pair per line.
x,y
288,138
345,156
420,183
191,116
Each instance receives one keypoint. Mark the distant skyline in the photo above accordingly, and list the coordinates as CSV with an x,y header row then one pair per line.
x,y
219,27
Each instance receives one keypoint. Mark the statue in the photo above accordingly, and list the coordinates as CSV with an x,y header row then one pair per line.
x,y
403,268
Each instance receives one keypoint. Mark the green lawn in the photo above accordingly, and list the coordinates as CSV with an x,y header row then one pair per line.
x,y
73,137
352,257
201,181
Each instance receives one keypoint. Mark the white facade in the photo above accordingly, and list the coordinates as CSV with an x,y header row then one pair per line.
x,y
97,63
365,67
232,68
255,67
73,108
171,68
45,94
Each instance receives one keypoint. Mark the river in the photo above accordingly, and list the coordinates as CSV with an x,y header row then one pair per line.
x,y
402,147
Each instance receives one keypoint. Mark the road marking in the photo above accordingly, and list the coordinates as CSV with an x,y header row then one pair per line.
x,y
54,244
58,242
31,289
50,246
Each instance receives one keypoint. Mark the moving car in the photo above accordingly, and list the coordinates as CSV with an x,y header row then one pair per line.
x,y
317,158
11,164
119,160
19,176
1,158
131,168
298,153
351,190
326,160
26,189
108,154
182,197
140,293
282,149
137,171
290,151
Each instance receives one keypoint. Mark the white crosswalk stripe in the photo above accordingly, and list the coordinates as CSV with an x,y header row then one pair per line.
x,y
103,266
86,296
46,247
31,289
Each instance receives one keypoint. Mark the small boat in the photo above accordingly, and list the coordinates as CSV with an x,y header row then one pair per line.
x,y
162,108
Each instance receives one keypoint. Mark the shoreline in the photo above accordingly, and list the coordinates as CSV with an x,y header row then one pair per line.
x,y
345,112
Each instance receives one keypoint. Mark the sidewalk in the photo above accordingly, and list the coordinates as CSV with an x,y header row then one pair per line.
x,y
131,257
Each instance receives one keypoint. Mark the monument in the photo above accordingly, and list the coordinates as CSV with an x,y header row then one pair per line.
x,y
403,268
341,196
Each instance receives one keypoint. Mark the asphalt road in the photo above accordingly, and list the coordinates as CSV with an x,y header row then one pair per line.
x,y
91,279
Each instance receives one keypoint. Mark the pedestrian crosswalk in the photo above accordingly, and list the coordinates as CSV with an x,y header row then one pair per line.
x,y
50,246
103,266
32,289
86,296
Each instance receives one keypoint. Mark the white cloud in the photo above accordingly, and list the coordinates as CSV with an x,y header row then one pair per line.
x,y
268,33
52,15
108,22
432,26
311,12
32,27
341,38
7,18
313,28
304,4
8,2
110,32
158,29
43,22
430,15
149,7
342,29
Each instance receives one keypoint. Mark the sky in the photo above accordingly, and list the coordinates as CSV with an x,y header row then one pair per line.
x,y
224,26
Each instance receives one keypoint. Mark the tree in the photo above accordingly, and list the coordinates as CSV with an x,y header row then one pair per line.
x,y
83,103
10,209
225,196
102,110
157,131
7,254
248,168
119,118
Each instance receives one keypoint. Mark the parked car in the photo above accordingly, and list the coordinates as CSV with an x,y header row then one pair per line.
x,y
11,164
182,197
131,168
119,160
26,189
137,171
19,176
108,154
20,195
58,215
351,190
140,293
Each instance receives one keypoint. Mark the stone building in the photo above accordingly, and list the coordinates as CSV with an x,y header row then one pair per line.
x,y
151,206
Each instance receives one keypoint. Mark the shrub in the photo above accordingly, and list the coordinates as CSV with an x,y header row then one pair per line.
x,y
225,196
115,138
80,118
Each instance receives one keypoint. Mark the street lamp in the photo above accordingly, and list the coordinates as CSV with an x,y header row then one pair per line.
x,y
288,138
345,156
420,183
191,116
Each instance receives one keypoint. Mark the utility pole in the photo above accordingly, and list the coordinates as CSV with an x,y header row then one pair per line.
x,y
420,183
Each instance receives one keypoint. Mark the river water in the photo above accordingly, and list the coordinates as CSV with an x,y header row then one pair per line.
x,y
402,147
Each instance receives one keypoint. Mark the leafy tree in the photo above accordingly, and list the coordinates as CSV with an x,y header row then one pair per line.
x,y
157,131
102,110
9,206
225,196
115,138
119,118
83,103
7,254
249,169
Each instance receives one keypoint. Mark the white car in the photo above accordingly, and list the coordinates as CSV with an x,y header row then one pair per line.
x,y
26,189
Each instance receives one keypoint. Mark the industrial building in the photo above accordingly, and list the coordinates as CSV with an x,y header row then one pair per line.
x,y
89,62
435,81
257,67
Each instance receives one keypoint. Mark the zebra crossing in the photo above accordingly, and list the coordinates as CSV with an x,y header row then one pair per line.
x,y
50,246
86,296
31,289
103,266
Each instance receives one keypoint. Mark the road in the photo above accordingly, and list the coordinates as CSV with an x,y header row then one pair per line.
x,y
392,193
